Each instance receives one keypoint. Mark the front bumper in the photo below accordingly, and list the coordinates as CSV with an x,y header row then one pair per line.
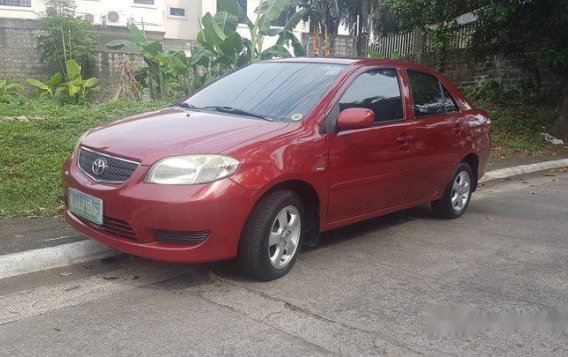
x,y
219,208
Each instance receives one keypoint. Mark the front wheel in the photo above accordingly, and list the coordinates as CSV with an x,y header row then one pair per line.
x,y
272,236
457,195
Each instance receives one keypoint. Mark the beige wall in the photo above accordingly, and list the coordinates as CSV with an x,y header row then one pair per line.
x,y
183,28
150,16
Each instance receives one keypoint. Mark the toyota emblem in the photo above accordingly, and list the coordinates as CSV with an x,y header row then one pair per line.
x,y
99,166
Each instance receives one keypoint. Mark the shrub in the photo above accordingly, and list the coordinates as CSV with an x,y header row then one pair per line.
x,y
11,91
72,87
66,37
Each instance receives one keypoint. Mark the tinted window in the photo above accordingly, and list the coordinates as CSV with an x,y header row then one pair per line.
x,y
377,90
430,97
450,103
283,91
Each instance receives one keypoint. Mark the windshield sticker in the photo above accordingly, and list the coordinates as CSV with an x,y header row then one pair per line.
x,y
297,116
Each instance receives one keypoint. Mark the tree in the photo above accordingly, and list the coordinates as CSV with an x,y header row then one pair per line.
x,y
66,37
321,14
536,32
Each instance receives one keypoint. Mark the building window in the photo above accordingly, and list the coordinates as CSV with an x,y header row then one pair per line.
x,y
177,12
144,2
20,3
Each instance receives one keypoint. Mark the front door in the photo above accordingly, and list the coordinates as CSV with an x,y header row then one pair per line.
x,y
369,168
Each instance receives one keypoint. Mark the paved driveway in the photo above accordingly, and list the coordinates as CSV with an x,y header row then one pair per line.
x,y
368,289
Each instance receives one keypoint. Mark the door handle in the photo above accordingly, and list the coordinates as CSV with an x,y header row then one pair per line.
x,y
404,139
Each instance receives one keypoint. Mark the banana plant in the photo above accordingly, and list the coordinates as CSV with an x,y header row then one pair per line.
x,y
72,85
267,12
75,86
48,88
10,90
161,66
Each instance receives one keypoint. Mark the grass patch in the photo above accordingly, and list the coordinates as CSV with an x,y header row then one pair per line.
x,y
32,153
516,128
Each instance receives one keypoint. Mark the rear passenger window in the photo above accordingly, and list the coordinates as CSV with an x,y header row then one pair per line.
x,y
377,90
430,96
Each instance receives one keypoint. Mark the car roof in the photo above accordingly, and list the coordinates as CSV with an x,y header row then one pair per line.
x,y
360,61
354,61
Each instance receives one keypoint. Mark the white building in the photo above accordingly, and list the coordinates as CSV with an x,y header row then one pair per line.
x,y
178,20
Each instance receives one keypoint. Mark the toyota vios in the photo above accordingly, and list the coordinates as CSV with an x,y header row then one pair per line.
x,y
262,160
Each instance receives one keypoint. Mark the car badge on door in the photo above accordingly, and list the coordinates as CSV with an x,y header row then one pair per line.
x,y
99,166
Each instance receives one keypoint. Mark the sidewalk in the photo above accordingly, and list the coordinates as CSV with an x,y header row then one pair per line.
x,y
34,244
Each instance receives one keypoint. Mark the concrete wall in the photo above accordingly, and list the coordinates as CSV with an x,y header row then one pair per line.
x,y
505,70
108,71
19,56
341,45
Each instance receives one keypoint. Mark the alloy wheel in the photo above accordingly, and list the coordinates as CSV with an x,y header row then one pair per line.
x,y
284,237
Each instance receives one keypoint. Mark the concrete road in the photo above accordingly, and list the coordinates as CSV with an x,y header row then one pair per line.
x,y
369,289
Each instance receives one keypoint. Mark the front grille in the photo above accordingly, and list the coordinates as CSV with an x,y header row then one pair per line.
x,y
113,226
105,168
192,238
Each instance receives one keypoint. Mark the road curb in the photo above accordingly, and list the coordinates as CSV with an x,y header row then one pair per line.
x,y
53,257
523,169
88,250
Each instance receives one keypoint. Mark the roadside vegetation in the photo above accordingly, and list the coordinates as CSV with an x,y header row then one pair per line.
x,y
518,121
35,140
41,120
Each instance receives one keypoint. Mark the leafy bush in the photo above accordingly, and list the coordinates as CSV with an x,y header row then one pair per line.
x,y
218,50
11,91
489,90
164,69
66,37
72,87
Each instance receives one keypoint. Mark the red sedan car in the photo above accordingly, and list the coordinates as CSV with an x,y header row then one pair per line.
x,y
264,159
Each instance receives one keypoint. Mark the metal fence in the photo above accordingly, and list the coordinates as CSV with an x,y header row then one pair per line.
x,y
417,41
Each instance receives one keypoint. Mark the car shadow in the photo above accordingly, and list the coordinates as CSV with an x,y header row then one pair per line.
x,y
230,269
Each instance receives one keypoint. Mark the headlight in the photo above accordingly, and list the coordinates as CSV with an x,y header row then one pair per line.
x,y
79,142
192,169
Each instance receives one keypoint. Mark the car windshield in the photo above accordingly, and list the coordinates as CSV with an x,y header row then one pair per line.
x,y
277,91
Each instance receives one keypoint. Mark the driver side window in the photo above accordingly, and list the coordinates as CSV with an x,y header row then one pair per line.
x,y
378,90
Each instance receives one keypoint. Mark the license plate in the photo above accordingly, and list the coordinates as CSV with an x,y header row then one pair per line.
x,y
86,206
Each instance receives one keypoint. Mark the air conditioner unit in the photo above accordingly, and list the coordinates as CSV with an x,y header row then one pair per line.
x,y
113,17
89,17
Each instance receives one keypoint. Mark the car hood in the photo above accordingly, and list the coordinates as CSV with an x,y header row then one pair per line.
x,y
174,131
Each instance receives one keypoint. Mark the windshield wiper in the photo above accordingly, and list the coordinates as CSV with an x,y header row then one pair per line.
x,y
185,105
231,110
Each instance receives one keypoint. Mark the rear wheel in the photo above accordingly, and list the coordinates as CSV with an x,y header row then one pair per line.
x,y
457,195
272,236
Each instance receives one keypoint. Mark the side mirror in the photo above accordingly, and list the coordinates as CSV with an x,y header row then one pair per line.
x,y
355,118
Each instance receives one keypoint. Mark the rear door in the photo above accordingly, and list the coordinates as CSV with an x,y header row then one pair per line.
x,y
369,168
439,134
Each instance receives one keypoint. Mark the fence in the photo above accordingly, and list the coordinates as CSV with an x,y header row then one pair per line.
x,y
398,44
417,41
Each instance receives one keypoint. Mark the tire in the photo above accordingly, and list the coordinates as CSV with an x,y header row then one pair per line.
x,y
272,236
456,195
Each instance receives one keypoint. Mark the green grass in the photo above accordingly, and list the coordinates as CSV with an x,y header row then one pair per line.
x,y
516,127
31,153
